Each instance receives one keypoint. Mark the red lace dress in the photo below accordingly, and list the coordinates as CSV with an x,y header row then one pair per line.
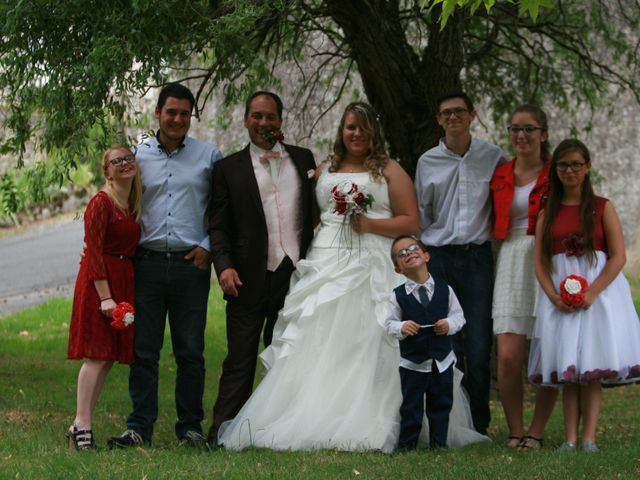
x,y
107,232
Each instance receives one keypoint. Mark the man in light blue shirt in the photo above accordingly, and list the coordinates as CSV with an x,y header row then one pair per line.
x,y
172,268
454,197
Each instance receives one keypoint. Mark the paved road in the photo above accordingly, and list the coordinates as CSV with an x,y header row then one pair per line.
x,y
39,263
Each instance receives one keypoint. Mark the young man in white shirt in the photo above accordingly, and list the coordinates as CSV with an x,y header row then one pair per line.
x,y
453,188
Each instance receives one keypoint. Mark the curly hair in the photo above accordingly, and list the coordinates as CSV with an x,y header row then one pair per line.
x,y
377,156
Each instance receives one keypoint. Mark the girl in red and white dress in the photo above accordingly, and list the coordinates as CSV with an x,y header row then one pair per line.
x,y
105,278
596,342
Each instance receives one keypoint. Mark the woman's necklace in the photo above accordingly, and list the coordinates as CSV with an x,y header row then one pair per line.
x,y
352,167
525,177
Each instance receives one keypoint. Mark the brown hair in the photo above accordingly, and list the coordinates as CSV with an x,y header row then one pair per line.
x,y
539,116
556,192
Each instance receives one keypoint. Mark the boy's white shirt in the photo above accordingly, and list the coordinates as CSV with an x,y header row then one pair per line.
x,y
393,323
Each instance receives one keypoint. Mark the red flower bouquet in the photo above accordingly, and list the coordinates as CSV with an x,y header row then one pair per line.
x,y
123,316
348,199
572,289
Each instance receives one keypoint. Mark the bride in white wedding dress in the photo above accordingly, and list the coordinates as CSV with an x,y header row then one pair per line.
x,y
332,379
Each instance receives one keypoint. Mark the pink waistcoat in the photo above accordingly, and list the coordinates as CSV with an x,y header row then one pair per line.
x,y
281,205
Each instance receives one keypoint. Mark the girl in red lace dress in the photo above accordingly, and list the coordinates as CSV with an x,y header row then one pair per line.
x,y
111,233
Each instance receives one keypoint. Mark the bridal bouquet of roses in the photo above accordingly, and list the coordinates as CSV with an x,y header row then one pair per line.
x,y
123,316
572,289
348,199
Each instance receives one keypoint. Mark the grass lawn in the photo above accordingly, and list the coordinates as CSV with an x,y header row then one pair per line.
x,y
37,404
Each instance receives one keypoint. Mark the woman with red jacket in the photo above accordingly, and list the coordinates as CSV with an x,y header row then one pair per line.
x,y
519,189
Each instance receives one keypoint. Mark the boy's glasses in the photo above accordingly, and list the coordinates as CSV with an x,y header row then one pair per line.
x,y
405,252
574,166
120,160
456,112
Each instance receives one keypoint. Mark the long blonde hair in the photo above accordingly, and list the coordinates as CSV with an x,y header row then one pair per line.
x,y
377,157
135,194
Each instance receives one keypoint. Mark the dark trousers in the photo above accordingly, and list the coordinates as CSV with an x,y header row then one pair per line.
x,y
425,392
168,284
469,271
245,322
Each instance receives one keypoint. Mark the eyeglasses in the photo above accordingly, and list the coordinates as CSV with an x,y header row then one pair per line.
x,y
457,112
527,129
120,160
574,166
405,252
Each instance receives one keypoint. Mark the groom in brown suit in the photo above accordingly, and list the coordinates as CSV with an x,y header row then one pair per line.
x,y
261,224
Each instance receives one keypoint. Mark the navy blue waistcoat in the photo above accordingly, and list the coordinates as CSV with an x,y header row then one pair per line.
x,y
425,344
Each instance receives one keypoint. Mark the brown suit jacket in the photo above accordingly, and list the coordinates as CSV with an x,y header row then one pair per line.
x,y
237,225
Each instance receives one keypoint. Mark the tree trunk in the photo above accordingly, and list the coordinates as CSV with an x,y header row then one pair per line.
x,y
400,85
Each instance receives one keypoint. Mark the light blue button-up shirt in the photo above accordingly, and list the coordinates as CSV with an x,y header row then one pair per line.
x,y
454,194
176,192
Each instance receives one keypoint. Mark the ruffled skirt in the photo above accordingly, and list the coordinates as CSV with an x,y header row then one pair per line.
x,y
333,379
600,344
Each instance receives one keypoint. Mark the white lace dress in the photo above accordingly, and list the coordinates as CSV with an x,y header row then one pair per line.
x,y
332,379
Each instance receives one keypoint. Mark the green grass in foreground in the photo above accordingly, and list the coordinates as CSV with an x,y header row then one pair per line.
x,y
37,404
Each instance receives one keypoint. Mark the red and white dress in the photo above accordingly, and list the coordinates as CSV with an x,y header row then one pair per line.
x,y
111,236
601,343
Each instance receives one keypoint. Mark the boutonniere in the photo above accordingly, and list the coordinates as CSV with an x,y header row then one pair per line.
x,y
311,173
272,135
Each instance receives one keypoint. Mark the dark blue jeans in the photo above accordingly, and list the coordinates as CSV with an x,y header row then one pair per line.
x,y
168,284
469,271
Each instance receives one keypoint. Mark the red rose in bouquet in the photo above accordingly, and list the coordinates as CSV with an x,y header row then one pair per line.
x,y
123,316
349,199
572,289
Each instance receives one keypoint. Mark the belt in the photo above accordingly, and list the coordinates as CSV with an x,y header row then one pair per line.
x,y
466,247
117,255
166,254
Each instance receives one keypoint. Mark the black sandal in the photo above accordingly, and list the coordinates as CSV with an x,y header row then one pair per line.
x,y
80,439
531,443
513,437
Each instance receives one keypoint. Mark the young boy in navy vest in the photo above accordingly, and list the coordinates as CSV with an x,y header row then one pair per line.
x,y
423,313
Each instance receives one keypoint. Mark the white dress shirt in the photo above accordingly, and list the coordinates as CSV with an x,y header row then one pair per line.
x,y
393,323
454,195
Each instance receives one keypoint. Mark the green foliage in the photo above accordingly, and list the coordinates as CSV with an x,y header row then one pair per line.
x,y
82,176
553,61
68,70
449,7
9,197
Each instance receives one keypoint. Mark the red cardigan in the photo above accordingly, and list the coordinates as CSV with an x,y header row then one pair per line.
x,y
502,191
